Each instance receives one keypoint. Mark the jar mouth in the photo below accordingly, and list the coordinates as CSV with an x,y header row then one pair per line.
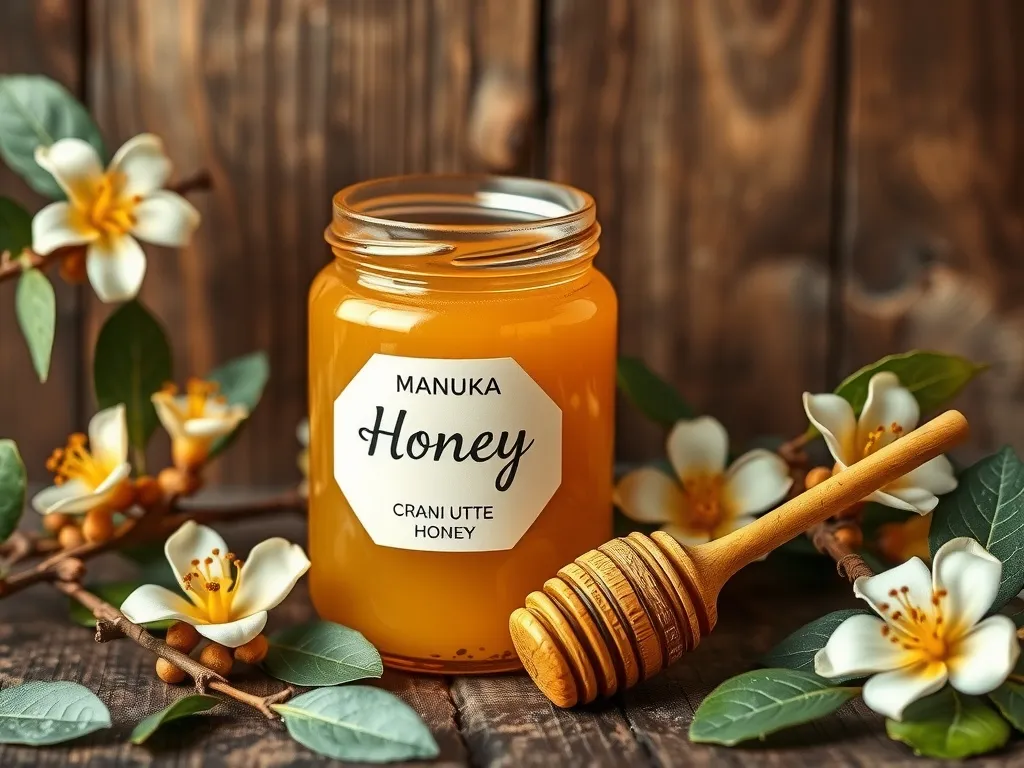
x,y
481,204
441,223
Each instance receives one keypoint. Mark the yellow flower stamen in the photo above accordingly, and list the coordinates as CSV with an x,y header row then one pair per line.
x,y
76,462
921,631
874,438
706,507
199,392
106,210
211,585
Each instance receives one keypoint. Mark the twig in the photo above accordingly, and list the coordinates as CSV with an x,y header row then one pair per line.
x,y
111,623
849,564
28,259
22,545
155,524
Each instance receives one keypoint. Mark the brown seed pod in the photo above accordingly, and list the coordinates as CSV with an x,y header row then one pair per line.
x,y
174,482
70,536
168,672
254,651
53,523
216,657
817,476
182,636
98,525
122,497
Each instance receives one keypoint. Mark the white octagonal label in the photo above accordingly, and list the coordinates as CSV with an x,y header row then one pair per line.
x,y
446,455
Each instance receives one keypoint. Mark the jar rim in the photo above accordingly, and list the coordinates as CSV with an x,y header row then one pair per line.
x,y
515,204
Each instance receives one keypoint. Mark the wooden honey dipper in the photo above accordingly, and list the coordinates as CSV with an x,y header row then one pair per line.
x,y
623,612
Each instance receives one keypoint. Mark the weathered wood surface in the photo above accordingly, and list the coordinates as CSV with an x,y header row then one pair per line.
x,y
488,721
788,189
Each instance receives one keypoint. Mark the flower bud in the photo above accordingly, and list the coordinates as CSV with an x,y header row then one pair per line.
x,y
182,636
217,658
70,536
168,672
54,522
254,651
174,482
851,536
817,476
148,492
98,525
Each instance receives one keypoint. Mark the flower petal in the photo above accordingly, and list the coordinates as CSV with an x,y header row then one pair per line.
x,y
214,427
983,659
108,435
45,501
188,543
698,446
935,476
154,603
302,433
909,499
649,496
87,498
971,576
116,266
56,226
268,575
858,647
234,633
685,536
913,574
757,480
732,524
888,403
168,413
833,417
143,164
892,692
165,218
75,165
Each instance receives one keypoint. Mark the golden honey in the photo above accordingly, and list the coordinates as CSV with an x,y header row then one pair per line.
x,y
462,377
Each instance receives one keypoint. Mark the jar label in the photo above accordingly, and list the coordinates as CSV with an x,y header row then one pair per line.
x,y
446,455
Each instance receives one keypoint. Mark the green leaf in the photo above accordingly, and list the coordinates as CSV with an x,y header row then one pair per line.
x,y
357,723
36,111
1009,698
184,707
653,396
13,482
15,227
36,308
321,653
933,378
132,361
798,650
41,713
988,506
949,725
241,381
115,593
754,704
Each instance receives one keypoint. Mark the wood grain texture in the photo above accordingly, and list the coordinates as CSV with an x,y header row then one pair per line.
x,y
40,38
285,103
485,722
935,207
703,129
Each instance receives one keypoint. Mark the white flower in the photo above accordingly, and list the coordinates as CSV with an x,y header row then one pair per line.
x,y
931,631
707,501
302,434
195,420
87,477
229,599
889,412
107,210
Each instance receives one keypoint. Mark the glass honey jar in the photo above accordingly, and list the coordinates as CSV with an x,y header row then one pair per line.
x,y
462,385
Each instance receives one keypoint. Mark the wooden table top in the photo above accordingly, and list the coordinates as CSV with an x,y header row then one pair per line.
x,y
478,721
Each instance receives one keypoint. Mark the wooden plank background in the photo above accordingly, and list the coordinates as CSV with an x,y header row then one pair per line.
x,y
788,188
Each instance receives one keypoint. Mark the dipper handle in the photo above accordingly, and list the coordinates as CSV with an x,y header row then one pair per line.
x,y
625,611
